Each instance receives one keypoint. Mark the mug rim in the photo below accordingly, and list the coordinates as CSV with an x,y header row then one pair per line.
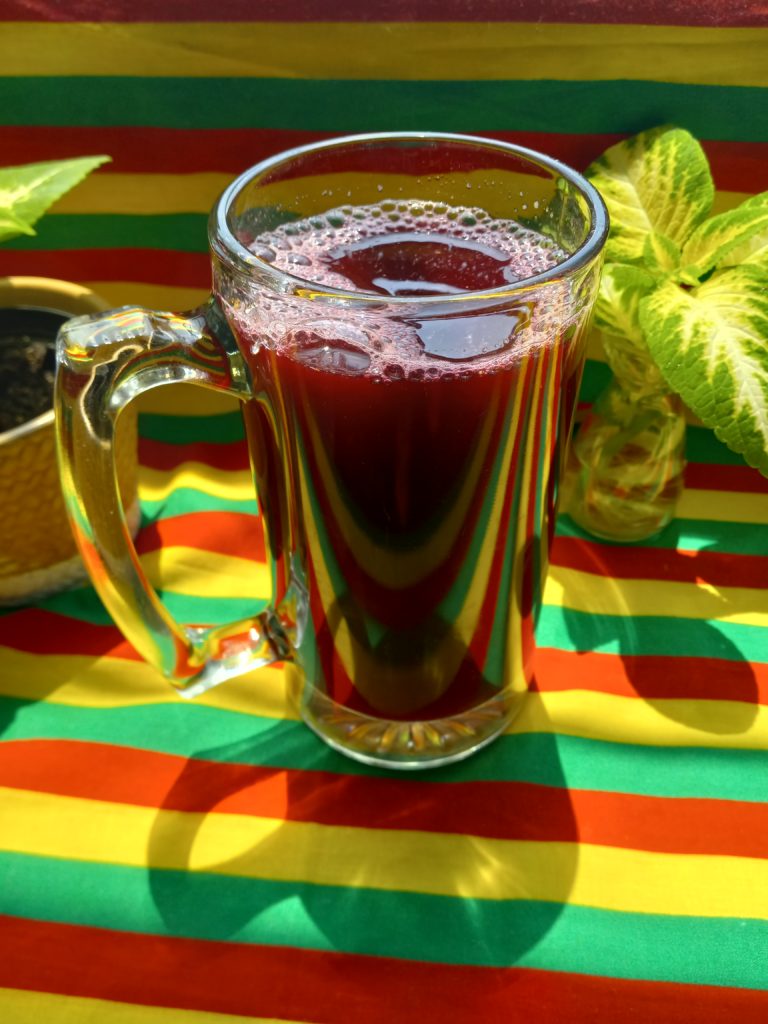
x,y
238,257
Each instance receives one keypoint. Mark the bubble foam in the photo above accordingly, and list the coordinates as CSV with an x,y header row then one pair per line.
x,y
376,343
302,247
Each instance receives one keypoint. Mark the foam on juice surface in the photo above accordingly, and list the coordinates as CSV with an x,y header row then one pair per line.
x,y
408,249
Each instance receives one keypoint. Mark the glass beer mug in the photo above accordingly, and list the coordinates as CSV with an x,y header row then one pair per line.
x,y
402,317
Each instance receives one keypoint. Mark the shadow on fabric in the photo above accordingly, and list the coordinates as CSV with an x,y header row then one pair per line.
x,y
444,864
707,667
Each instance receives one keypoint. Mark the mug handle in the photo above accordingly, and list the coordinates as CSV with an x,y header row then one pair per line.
x,y
103,363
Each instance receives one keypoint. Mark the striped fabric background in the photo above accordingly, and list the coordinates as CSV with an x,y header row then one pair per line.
x,y
211,862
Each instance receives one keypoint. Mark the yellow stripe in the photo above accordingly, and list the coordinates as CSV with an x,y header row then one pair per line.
x,y
391,50
502,193
201,573
145,194
153,296
156,484
469,867
80,681
187,400
724,201
724,506
732,725
196,193
601,595
21,1007
75,680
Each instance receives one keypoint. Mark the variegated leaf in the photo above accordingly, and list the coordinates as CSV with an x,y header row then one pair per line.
x,y
616,308
761,199
26,192
657,181
755,249
660,254
710,344
713,240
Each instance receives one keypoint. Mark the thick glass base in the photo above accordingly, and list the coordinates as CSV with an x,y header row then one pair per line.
x,y
408,745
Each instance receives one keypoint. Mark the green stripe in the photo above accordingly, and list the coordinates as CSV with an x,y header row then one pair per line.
x,y
561,628
661,635
209,611
223,428
708,111
81,604
84,605
493,933
691,535
186,500
701,445
194,730
699,535
596,377
179,232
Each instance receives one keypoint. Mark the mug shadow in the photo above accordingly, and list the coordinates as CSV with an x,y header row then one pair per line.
x,y
666,682
413,865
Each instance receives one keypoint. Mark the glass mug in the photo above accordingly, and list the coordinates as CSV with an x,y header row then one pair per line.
x,y
402,317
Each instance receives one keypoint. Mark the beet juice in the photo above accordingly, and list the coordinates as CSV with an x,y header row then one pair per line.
x,y
407,459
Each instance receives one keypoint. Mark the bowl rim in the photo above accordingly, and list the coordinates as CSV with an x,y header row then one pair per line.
x,y
78,297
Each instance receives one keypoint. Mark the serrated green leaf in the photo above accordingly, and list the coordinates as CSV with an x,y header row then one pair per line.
x,y
755,248
713,240
660,254
26,192
616,308
711,345
657,181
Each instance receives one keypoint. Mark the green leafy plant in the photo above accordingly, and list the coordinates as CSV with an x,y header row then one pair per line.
x,y
26,192
688,288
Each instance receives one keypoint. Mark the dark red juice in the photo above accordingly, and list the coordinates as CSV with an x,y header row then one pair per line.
x,y
407,463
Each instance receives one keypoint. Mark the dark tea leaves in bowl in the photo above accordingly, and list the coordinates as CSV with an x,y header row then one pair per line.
x,y
27,363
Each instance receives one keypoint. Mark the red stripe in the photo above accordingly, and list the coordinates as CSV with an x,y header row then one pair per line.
x,y
664,564
46,633
229,456
652,677
713,477
153,266
496,810
648,677
221,533
156,150
644,12
336,988
736,166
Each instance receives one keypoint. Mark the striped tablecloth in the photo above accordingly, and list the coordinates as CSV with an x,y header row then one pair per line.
x,y
164,861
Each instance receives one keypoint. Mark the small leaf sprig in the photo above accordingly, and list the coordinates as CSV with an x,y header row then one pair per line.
x,y
686,286
27,191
